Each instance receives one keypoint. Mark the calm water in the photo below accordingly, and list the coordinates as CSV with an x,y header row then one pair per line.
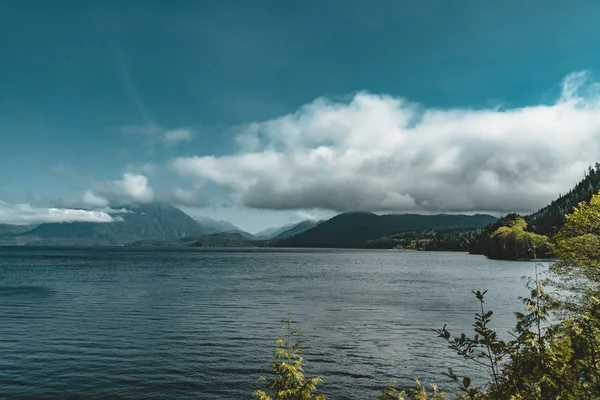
x,y
105,323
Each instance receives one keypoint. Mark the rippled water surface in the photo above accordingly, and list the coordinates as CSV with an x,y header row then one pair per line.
x,y
104,323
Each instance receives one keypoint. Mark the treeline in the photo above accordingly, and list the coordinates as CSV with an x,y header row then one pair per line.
x,y
511,237
550,219
223,239
442,239
514,236
508,239
542,360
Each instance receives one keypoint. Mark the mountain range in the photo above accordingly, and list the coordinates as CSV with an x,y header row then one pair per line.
x,y
161,224
146,224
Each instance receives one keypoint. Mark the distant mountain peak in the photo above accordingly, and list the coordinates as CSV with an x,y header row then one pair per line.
x,y
157,220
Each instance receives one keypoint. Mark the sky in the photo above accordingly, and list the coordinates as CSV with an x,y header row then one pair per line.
x,y
264,113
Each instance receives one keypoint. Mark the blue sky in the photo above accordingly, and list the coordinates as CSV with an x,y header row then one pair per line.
x,y
265,112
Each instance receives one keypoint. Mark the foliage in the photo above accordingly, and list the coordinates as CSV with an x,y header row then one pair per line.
x,y
417,392
442,239
553,352
508,239
543,360
578,243
481,243
512,242
550,219
546,221
288,381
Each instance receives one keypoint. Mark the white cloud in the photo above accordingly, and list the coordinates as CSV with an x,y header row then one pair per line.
x,y
382,153
177,136
154,132
24,214
187,198
132,188
112,211
312,215
146,169
90,199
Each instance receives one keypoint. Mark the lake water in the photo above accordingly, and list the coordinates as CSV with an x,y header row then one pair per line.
x,y
103,323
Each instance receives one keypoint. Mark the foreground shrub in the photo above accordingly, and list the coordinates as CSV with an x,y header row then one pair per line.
x,y
542,360
287,371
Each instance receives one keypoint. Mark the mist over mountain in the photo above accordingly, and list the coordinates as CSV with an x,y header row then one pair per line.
x,y
221,225
273,232
295,229
9,230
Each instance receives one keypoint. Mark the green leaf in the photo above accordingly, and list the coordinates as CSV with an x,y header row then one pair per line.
x,y
466,381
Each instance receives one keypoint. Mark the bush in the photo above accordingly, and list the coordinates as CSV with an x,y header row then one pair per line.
x,y
542,360
288,380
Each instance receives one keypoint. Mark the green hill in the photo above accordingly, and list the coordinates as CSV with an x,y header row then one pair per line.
x,y
353,230
548,220
509,239
537,229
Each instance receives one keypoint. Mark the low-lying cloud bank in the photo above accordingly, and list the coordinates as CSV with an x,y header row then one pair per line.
x,y
25,214
383,153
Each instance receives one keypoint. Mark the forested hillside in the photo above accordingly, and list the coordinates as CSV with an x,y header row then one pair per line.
x,y
550,219
508,239
352,230
514,236
442,239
